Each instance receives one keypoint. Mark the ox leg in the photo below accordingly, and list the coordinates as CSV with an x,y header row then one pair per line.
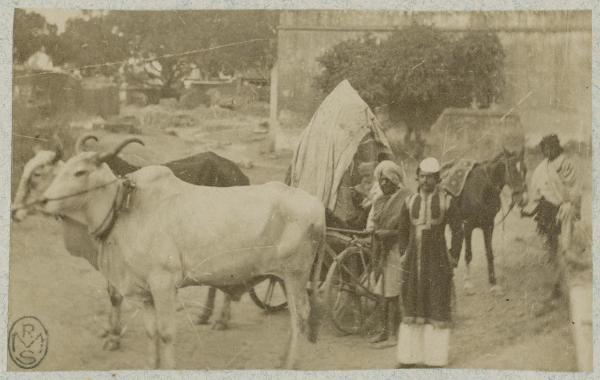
x,y
152,332
469,289
112,334
292,349
488,232
208,307
222,323
299,307
162,286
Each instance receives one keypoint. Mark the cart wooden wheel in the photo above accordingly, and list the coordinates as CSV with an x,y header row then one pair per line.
x,y
269,295
350,292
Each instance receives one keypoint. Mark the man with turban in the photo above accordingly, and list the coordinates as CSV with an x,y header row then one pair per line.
x,y
424,335
383,221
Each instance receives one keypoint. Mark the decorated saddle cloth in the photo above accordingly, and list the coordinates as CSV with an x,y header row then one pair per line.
x,y
454,175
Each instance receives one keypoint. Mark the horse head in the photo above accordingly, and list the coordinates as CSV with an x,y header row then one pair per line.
x,y
515,174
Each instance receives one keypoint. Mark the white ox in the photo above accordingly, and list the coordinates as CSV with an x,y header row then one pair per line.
x,y
169,234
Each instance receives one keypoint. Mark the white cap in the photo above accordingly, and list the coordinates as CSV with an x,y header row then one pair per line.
x,y
429,165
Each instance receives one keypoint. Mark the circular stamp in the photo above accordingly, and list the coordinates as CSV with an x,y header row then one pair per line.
x,y
27,342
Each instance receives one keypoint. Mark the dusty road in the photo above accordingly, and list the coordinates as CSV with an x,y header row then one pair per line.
x,y
69,297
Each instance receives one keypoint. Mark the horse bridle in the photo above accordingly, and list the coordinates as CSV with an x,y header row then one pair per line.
x,y
507,174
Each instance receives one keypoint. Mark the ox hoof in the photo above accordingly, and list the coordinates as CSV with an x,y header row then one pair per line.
x,y
469,289
219,326
497,290
112,343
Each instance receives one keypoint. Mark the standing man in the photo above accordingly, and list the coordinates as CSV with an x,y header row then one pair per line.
x,y
424,335
555,194
383,221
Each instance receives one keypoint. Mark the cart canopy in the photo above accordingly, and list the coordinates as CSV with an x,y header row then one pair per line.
x,y
342,134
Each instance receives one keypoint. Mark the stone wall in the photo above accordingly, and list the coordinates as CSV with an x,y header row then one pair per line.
x,y
548,57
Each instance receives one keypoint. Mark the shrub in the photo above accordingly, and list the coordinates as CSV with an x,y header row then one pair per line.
x,y
417,72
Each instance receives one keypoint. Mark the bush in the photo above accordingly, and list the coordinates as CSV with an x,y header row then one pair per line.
x,y
418,72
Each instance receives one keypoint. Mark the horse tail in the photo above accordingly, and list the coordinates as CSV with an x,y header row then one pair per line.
x,y
314,316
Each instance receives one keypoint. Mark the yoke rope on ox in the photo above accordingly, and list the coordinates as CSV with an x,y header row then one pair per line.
x,y
45,200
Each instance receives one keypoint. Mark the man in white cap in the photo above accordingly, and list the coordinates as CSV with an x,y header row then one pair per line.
x,y
424,335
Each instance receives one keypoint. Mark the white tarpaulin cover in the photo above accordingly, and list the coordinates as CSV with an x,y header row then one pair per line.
x,y
328,144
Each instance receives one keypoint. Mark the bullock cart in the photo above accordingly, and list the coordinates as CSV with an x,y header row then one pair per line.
x,y
334,161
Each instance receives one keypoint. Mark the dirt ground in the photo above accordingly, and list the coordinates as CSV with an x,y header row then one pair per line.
x,y
69,297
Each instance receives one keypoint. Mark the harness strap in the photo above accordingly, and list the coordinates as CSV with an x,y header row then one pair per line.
x,y
121,202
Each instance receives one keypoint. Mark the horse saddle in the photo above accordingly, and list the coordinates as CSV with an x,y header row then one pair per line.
x,y
454,175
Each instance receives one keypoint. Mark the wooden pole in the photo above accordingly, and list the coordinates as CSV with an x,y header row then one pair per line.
x,y
273,110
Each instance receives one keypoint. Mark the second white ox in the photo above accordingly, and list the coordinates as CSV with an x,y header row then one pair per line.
x,y
168,234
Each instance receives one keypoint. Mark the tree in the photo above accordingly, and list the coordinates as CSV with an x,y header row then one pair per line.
x,y
30,33
116,35
416,77
91,41
357,61
477,66
417,72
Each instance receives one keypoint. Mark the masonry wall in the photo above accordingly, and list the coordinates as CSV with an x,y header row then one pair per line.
x,y
548,57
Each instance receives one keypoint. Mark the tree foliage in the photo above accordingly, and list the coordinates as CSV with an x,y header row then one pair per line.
x,y
101,38
418,71
30,33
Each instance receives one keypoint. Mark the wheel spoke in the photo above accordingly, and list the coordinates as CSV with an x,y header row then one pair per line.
x,y
269,293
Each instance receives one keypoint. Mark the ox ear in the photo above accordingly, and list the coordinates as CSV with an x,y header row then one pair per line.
x,y
505,151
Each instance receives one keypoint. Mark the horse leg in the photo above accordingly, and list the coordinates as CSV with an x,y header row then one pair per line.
x,y
488,232
222,323
151,330
209,305
468,257
162,286
112,334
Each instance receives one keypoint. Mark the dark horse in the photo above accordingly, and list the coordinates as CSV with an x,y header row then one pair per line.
x,y
479,203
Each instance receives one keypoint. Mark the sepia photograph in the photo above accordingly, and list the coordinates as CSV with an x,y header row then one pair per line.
x,y
307,189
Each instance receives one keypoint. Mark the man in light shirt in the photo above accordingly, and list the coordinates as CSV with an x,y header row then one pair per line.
x,y
554,195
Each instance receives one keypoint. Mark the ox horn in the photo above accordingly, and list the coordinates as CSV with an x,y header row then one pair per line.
x,y
82,140
58,149
102,157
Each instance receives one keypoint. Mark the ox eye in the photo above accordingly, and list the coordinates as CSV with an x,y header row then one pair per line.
x,y
79,173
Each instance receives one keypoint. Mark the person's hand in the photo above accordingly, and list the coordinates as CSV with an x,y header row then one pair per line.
x,y
454,263
565,211
529,210
381,234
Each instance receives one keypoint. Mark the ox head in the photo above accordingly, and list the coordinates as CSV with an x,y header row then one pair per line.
x,y
515,175
37,175
79,178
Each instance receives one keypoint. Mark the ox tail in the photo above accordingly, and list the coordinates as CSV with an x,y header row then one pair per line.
x,y
314,317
